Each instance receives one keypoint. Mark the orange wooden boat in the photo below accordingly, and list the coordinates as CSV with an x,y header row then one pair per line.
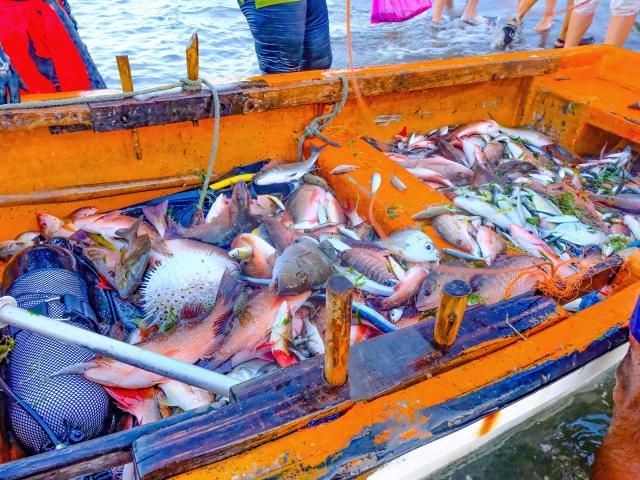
x,y
408,408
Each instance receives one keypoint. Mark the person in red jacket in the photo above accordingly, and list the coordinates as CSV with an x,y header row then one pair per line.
x,y
41,51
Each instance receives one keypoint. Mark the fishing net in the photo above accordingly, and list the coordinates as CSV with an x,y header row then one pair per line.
x,y
74,408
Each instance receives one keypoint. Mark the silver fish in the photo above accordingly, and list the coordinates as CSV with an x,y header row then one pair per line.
x,y
343,169
289,172
396,182
483,209
411,244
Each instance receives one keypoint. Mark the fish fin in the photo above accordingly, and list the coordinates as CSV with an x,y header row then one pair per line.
x,y
284,359
198,217
403,132
376,303
228,291
192,312
157,216
82,212
241,196
130,234
265,346
174,230
315,151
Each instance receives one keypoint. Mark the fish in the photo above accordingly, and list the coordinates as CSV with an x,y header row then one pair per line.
x,y
634,225
532,244
288,172
483,209
493,152
512,275
528,136
376,181
223,229
253,325
491,244
450,152
256,255
300,267
449,228
629,203
303,204
484,127
314,343
412,245
430,176
187,342
398,184
432,211
265,206
371,261
252,369
364,284
403,291
184,396
281,335
579,234
343,169
430,293
360,332
452,171
142,403
9,248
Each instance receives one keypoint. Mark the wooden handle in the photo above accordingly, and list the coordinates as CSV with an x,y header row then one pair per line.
x,y
339,300
452,307
193,58
124,69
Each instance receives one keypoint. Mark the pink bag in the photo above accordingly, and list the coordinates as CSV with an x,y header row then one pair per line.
x,y
397,10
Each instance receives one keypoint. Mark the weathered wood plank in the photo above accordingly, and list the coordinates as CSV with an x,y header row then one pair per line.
x,y
257,96
272,406
90,192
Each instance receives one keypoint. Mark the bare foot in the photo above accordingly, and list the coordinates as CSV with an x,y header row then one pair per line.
x,y
545,23
475,19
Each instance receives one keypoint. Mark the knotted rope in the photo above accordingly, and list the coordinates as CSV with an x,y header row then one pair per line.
x,y
314,129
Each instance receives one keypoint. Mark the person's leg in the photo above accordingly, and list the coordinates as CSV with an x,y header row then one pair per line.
x,y
565,24
547,18
524,7
623,17
470,12
438,7
317,40
581,19
278,33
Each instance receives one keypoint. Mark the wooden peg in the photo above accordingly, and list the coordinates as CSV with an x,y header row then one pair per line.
x,y
452,307
339,300
124,69
193,58
126,80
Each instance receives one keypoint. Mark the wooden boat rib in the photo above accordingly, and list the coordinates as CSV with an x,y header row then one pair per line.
x,y
403,394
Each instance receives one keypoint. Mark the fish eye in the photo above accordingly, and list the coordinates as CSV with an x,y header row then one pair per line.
x,y
429,246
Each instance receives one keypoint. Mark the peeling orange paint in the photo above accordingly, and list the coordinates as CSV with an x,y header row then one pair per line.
x,y
488,423
382,437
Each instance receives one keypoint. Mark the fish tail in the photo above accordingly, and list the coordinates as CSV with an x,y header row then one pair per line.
x,y
315,152
174,230
157,216
228,292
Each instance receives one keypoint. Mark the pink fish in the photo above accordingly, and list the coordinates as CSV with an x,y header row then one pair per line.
x,y
254,324
532,244
491,244
403,291
257,256
187,342
484,127
428,175
281,335
142,403
362,332
453,231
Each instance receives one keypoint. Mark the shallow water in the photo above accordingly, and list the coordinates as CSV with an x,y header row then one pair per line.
x,y
560,445
154,35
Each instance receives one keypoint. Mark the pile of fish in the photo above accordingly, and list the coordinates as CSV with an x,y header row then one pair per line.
x,y
240,289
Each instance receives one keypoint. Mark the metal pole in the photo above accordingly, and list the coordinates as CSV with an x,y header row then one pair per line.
x,y
213,382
